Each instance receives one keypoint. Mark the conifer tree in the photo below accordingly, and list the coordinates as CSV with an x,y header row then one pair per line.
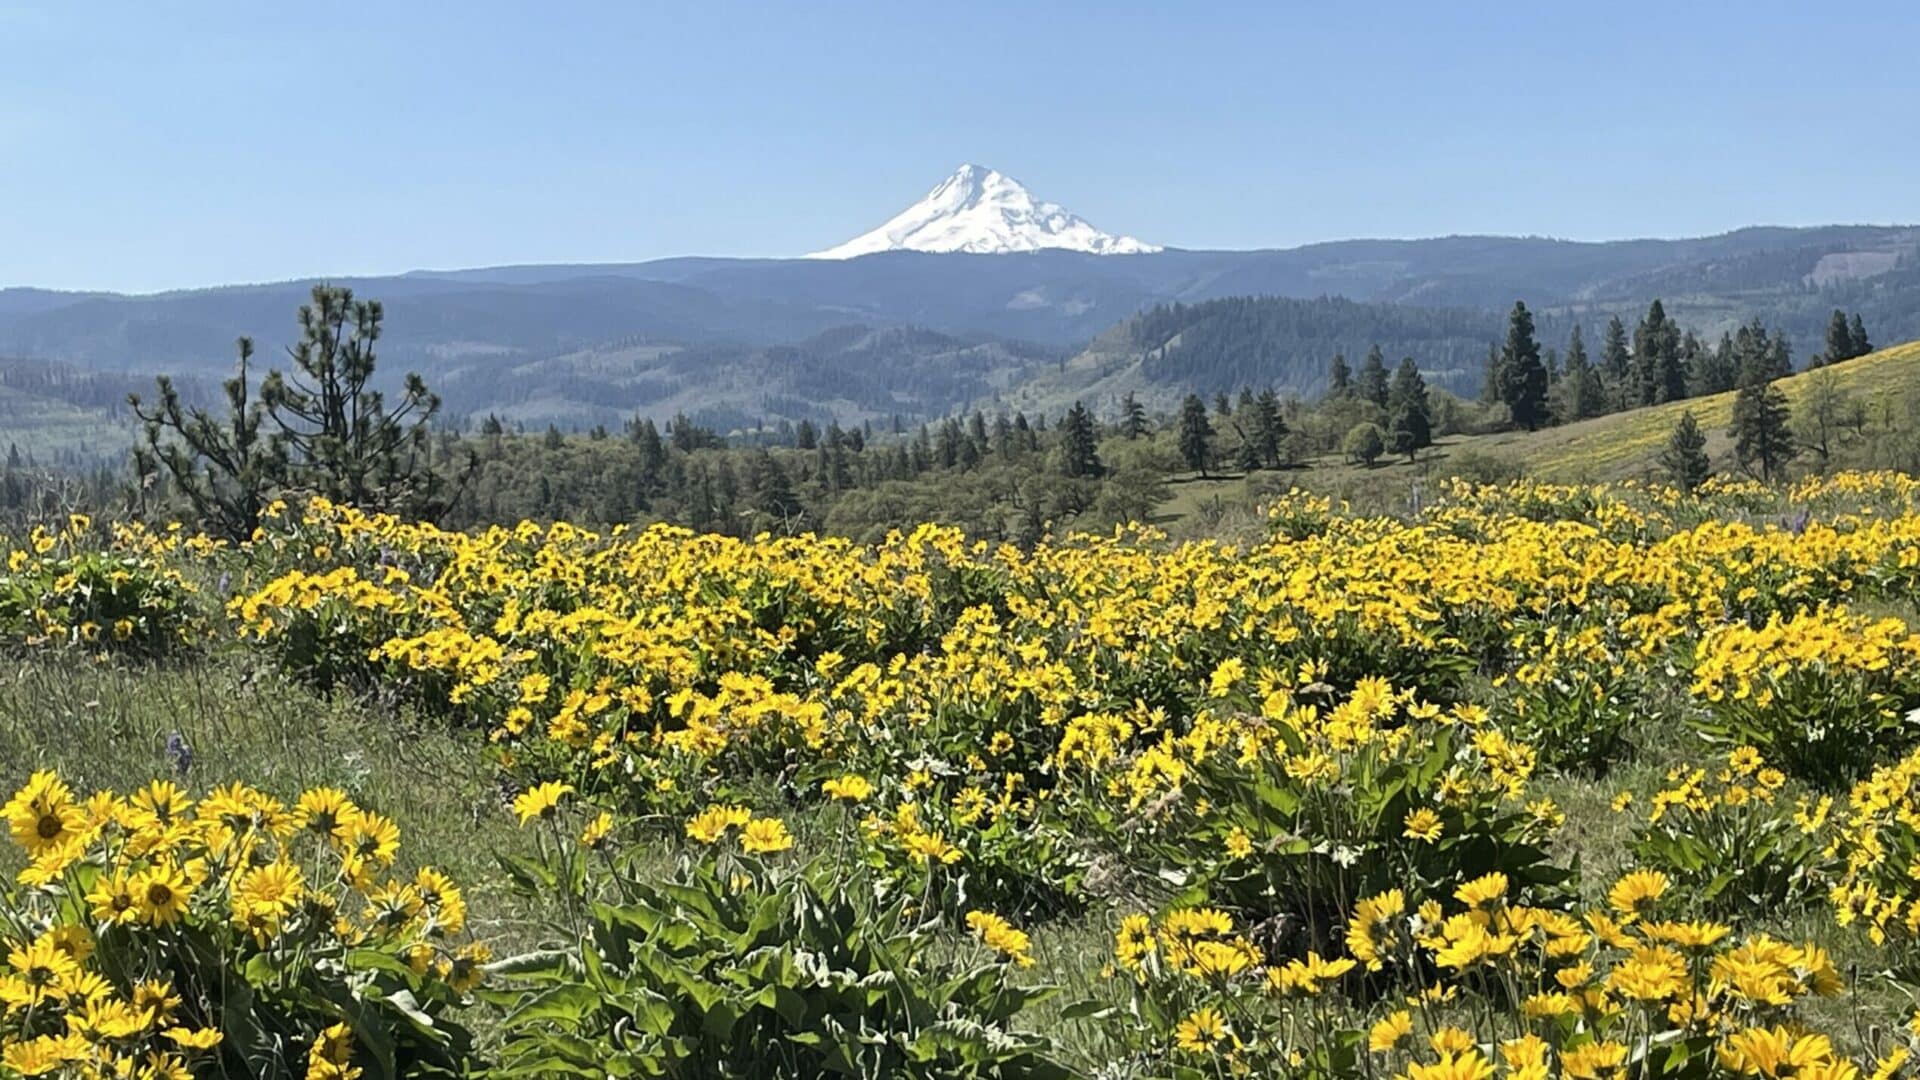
x,y
1339,377
1196,434
1858,326
1522,378
1269,428
1685,457
1657,373
1133,417
1079,453
1839,341
1615,361
1372,385
1411,414
1761,430
226,470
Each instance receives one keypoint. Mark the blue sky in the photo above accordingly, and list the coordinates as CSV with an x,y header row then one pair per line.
x,y
155,145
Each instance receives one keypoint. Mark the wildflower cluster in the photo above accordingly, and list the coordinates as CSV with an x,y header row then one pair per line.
x,y
164,936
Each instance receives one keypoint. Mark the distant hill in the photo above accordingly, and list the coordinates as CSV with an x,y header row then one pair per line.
x,y
850,374
552,339
1219,346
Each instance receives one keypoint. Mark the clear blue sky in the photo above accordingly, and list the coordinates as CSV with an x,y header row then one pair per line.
x,y
152,145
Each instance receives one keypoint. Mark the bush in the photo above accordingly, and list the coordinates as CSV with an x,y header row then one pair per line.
x,y
119,597
234,934
1290,818
742,964
1730,839
1825,693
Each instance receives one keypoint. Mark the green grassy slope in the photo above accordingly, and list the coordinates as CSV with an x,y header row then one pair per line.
x,y
1627,444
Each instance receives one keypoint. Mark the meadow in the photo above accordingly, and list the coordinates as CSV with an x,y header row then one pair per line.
x,y
1539,781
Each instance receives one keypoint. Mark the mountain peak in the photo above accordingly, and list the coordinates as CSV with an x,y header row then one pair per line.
x,y
982,211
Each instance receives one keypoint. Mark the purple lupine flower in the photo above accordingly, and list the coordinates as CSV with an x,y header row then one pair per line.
x,y
179,753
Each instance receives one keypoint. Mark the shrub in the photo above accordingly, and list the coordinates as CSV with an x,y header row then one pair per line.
x,y
233,933
1730,839
63,590
1288,819
740,963
1824,693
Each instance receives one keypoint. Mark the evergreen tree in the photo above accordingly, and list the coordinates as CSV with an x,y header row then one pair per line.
x,y
1657,373
1858,328
805,437
1615,362
1839,341
1133,417
1685,457
1522,378
226,470
1761,430
1079,454
1411,423
1373,378
1582,395
1339,377
1196,434
1269,428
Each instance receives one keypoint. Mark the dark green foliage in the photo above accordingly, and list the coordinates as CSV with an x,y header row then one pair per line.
x,y
1520,379
1269,430
1373,378
1222,345
1133,417
1339,377
1196,434
225,470
1685,458
331,433
1411,414
1583,393
1080,457
735,969
1659,368
1762,435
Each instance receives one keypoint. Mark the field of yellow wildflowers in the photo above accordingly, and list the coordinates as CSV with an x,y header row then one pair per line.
x,y
1543,781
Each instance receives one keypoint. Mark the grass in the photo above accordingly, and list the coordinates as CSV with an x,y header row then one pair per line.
x,y
106,725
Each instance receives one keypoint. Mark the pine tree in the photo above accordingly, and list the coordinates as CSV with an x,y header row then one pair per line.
x,y
1196,434
1657,373
1339,377
1614,358
1372,385
1079,454
1582,395
1761,430
225,469
1133,417
1522,377
1269,428
1411,425
1685,457
1839,341
1858,328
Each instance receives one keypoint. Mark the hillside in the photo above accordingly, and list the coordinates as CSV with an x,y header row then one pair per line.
x,y
850,374
471,331
1220,346
1627,444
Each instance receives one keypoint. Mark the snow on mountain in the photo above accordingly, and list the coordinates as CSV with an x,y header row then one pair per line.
x,y
983,212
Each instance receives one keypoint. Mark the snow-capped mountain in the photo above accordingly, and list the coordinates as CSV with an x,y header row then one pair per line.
x,y
983,212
